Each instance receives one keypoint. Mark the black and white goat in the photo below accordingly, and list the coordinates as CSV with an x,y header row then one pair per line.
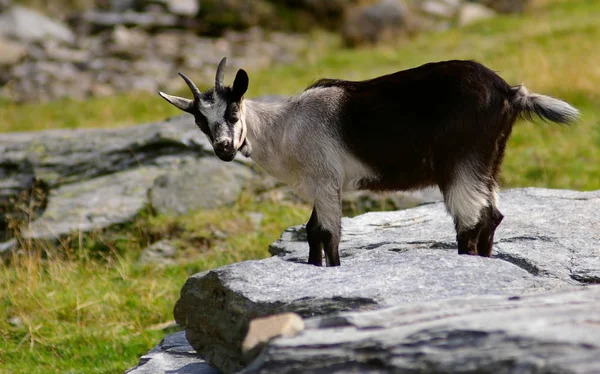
x,y
443,124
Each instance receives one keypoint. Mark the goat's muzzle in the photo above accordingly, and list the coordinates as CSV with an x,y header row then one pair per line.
x,y
225,150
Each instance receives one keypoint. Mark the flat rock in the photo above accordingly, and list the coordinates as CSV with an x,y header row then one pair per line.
x,y
173,355
544,333
549,240
94,204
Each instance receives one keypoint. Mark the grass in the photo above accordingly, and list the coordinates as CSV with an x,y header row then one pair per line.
x,y
90,307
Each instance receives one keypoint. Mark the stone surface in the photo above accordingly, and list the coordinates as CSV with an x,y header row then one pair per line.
x,y
11,52
198,184
27,25
188,8
173,355
473,12
548,333
94,204
549,240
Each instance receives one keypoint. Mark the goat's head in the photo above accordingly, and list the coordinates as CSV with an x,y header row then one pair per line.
x,y
217,113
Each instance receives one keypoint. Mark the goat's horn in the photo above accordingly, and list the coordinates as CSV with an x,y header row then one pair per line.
x,y
182,103
195,91
220,74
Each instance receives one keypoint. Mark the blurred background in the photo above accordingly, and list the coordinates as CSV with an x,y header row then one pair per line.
x,y
83,137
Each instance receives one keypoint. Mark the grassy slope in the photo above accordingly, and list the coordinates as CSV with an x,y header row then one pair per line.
x,y
95,310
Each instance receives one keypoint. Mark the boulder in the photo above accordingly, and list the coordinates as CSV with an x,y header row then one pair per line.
x,y
473,12
27,25
373,23
11,52
547,242
546,333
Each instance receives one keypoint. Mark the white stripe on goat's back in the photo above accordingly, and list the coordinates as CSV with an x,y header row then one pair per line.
x,y
466,196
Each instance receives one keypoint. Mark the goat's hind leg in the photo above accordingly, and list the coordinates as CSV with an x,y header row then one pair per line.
x,y
467,199
491,219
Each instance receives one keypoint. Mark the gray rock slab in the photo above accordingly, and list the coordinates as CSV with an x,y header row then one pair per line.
x,y
73,155
94,204
196,184
27,25
173,355
96,178
396,258
544,333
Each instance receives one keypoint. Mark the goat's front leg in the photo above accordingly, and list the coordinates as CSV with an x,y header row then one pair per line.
x,y
324,229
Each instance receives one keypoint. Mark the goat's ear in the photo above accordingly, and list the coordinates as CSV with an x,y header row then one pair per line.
x,y
240,84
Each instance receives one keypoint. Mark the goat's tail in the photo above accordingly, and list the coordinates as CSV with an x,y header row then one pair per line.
x,y
545,107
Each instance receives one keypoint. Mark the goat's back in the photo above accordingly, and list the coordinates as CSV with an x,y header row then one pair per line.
x,y
409,125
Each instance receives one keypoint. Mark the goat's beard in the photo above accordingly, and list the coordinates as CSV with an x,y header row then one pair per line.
x,y
246,148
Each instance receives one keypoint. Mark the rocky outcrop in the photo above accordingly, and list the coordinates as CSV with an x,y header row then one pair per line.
x,y
95,178
555,332
548,333
548,242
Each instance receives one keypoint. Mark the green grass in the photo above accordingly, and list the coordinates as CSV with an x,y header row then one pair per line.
x,y
90,307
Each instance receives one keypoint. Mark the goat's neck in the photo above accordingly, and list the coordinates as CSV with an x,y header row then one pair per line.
x,y
265,125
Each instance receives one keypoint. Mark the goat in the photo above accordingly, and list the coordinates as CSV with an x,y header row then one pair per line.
x,y
444,124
